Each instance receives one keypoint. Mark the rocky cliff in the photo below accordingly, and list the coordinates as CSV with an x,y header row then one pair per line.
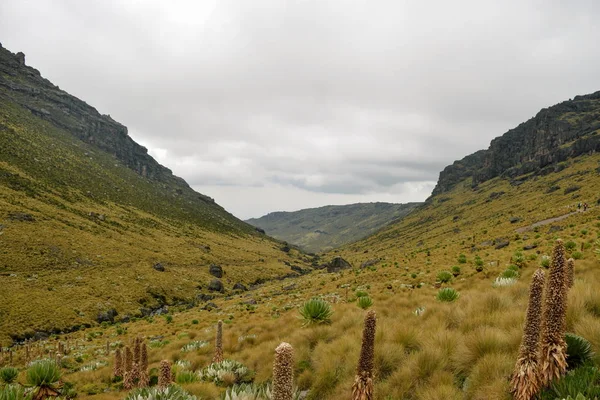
x,y
25,86
555,134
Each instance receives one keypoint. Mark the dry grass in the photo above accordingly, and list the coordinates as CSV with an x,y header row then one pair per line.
x,y
465,349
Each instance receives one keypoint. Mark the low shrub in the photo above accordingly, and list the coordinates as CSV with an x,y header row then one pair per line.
x,y
8,374
577,255
584,381
579,350
184,377
456,270
447,294
365,302
226,373
509,273
316,311
172,392
444,276
14,392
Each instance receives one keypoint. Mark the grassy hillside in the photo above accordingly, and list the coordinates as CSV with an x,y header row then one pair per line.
x,y
325,228
424,348
81,229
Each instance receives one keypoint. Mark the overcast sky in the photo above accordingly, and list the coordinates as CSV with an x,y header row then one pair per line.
x,y
271,105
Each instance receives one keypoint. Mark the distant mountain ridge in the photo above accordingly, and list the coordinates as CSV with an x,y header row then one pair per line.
x,y
324,228
555,134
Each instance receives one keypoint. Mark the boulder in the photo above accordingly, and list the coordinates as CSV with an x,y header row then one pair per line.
x,y
159,267
338,264
369,263
216,286
107,316
215,270
501,243
240,286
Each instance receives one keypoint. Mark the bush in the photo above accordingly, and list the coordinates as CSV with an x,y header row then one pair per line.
x,y
8,374
462,259
361,293
447,294
253,391
479,268
14,392
43,373
444,276
365,302
172,392
518,259
513,267
583,380
545,262
509,273
478,261
579,350
226,373
456,270
195,345
186,377
570,246
316,311
577,255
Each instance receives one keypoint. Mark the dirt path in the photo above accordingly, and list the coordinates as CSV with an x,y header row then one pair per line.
x,y
545,222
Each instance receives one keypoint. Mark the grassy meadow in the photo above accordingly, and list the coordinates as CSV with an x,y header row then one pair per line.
x,y
424,348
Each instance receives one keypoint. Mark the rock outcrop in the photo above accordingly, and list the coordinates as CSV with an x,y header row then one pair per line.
x,y
555,134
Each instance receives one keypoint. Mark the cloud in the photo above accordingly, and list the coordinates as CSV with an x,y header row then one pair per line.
x,y
315,101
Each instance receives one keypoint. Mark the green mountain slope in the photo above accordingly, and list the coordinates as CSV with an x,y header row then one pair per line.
x,y
324,228
86,213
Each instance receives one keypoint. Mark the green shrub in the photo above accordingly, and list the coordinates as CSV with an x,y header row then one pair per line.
x,y
545,262
183,377
583,380
513,267
462,259
509,273
172,392
456,270
253,391
577,255
444,276
195,345
579,350
570,246
478,261
365,302
43,373
479,268
316,311
14,392
8,374
361,293
447,294
218,373
518,259
194,322
413,275
168,318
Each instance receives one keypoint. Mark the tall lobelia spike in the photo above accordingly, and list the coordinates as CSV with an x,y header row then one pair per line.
x,y
218,357
570,273
362,389
283,372
553,357
525,383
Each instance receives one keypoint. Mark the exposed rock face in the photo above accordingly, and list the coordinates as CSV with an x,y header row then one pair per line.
x,y
240,286
25,86
215,270
538,145
216,285
338,264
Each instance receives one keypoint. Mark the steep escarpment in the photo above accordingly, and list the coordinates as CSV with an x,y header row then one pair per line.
x,y
22,88
555,134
